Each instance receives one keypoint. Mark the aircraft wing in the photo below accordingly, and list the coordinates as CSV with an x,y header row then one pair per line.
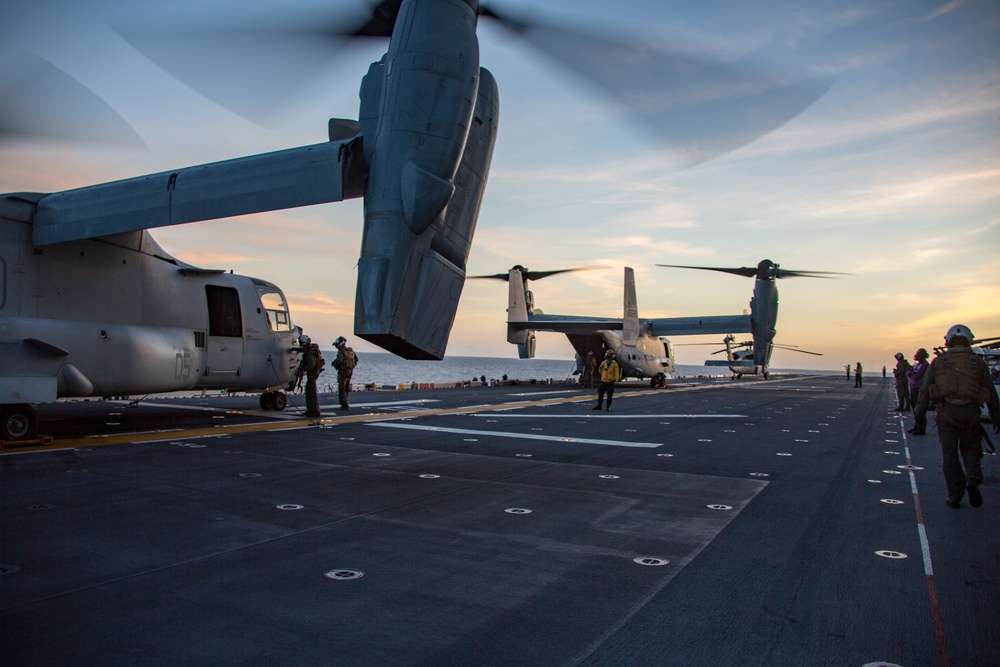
x,y
304,176
566,324
690,326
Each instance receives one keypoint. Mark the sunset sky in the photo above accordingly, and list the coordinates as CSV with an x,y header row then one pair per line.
x,y
892,176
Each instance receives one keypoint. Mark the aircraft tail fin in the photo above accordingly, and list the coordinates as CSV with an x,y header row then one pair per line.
x,y
517,316
630,317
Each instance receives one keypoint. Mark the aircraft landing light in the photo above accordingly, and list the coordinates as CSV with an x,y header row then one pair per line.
x,y
524,436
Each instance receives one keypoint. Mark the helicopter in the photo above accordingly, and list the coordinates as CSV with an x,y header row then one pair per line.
x,y
756,358
90,305
740,357
640,346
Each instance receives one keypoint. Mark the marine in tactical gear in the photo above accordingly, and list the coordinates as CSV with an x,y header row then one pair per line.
x,y
311,366
344,363
959,383
902,386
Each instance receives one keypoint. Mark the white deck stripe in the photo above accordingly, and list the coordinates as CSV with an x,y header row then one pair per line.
x,y
521,436
606,416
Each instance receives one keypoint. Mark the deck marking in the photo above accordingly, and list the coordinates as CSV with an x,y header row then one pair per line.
x,y
941,639
526,436
616,416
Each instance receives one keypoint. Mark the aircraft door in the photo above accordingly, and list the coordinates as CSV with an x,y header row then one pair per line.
x,y
225,331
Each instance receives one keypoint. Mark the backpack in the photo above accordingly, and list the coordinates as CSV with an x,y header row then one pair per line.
x,y
956,376
348,360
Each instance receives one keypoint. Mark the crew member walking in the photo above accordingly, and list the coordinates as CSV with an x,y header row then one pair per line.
x,y
959,382
610,373
344,363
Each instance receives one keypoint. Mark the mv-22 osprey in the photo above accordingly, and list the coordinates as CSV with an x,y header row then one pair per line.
x,y
90,305
640,346
754,357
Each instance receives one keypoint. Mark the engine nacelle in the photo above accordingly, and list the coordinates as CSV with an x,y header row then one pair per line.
x,y
429,118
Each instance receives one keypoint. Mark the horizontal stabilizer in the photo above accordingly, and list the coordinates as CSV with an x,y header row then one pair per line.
x,y
566,324
290,178
692,326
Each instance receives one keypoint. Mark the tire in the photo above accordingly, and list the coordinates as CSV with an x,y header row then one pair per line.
x,y
280,400
19,422
267,400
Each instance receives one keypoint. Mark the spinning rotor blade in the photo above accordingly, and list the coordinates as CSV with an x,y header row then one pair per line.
x,y
794,348
788,273
39,99
771,271
534,275
699,104
746,271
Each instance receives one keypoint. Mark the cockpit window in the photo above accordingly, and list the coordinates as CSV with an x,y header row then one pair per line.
x,y
278,318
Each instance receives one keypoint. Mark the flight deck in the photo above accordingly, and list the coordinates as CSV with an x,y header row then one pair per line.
x,y
783,522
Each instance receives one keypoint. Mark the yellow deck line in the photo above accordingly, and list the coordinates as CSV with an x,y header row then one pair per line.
x,y
236,429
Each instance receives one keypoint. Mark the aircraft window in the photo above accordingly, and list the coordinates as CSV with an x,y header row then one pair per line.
x,y
278,318
224,316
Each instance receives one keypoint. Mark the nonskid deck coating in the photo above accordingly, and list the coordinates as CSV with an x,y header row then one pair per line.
x,y
511,527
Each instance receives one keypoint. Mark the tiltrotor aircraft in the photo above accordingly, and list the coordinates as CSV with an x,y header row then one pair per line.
x,y
763,312
90,305
640,345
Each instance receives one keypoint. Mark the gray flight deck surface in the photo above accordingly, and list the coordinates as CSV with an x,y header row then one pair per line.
x,y
782,522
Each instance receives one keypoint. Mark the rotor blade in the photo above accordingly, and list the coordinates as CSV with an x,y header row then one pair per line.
x,y
700,105
792,348
788,273
746,271
535,275
249,66
39,99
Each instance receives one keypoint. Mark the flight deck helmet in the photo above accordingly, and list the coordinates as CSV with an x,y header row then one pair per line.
x,y
921,355
339,342
609,354
958,335
899,356
304,340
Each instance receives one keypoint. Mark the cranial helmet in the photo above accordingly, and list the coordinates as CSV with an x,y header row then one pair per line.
x,y
609,354
340,341
303,339
956,332
922,354
899,356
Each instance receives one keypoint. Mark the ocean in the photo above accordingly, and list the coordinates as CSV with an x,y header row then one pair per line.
x,y
390,370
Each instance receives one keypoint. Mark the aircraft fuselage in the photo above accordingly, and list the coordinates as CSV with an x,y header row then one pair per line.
x,y
118,316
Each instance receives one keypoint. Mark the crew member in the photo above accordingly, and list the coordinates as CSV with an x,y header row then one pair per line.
x,y
344,363
610,373
902,387
312,365
857,374
959,382
589,366
915,377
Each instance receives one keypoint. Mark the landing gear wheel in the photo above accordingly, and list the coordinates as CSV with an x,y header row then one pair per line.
x,y
19,422
267,400
280,400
